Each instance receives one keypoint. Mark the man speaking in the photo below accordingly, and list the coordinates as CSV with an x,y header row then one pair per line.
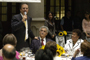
x,y
20,24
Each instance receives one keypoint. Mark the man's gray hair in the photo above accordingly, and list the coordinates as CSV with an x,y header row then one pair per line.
x,y
44,27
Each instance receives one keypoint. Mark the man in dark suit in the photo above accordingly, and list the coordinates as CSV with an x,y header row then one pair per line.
x,y
20,24
36,44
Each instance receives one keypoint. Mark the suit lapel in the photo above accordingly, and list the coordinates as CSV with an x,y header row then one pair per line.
x,y
39,42
27,18
77,43
20,17
46,40
70,44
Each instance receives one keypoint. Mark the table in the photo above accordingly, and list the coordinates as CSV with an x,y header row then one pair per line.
x,y
27,55
58,58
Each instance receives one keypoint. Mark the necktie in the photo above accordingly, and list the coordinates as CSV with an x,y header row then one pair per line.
x,y
25,26
42,42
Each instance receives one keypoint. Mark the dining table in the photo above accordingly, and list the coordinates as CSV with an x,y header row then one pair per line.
x,y
26,54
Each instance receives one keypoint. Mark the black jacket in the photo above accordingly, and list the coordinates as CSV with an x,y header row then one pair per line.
x,y
18,29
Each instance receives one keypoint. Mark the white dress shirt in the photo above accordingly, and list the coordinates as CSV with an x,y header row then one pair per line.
x,y
44,40
26,28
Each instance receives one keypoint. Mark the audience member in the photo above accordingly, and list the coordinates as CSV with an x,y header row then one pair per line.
x,y
74,43
44,55
86,26
36,44
66,22
10,39
8,52
20,24
52,46
51,25
85,49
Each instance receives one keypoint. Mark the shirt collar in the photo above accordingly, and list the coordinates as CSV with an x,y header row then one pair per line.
x,y
78,41
43,38
21,14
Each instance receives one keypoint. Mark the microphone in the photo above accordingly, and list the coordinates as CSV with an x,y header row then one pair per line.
x,y
25,13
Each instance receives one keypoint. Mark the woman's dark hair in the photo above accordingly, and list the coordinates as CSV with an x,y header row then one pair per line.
x,y
51,45
44,55
52,17
85,48
78,32
9,39
87,13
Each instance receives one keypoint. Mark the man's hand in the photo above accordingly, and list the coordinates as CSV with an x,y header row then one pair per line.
x,y
53,36
36,38
24,18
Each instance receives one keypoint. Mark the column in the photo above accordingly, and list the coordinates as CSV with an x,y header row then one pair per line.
x,y
36,11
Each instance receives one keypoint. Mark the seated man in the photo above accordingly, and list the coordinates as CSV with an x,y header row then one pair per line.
x,y
36,44
8,52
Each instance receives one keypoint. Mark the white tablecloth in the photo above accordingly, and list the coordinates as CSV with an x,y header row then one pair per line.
x,y
30,58
61,58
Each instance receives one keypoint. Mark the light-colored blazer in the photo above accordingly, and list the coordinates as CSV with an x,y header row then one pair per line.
x,y
70,48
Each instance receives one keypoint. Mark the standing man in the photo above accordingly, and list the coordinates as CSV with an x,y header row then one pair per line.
x,y
20,24
67,22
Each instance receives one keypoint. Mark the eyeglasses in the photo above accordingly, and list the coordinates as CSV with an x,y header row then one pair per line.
x,y
24,8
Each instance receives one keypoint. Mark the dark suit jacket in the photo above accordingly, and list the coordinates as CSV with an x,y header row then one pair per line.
x,y
35,45
18,29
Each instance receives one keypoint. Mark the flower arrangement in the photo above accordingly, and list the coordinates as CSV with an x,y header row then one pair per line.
x,y
62,33
60,50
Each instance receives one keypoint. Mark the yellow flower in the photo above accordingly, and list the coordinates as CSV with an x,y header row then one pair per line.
x,y
43,46
64,32
22,53
60,50
60,33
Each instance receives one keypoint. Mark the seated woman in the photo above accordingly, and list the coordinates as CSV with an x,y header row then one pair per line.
x,y
9,39
85,49
74,43
44,55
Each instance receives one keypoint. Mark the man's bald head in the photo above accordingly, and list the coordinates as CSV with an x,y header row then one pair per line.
x,y
8,51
